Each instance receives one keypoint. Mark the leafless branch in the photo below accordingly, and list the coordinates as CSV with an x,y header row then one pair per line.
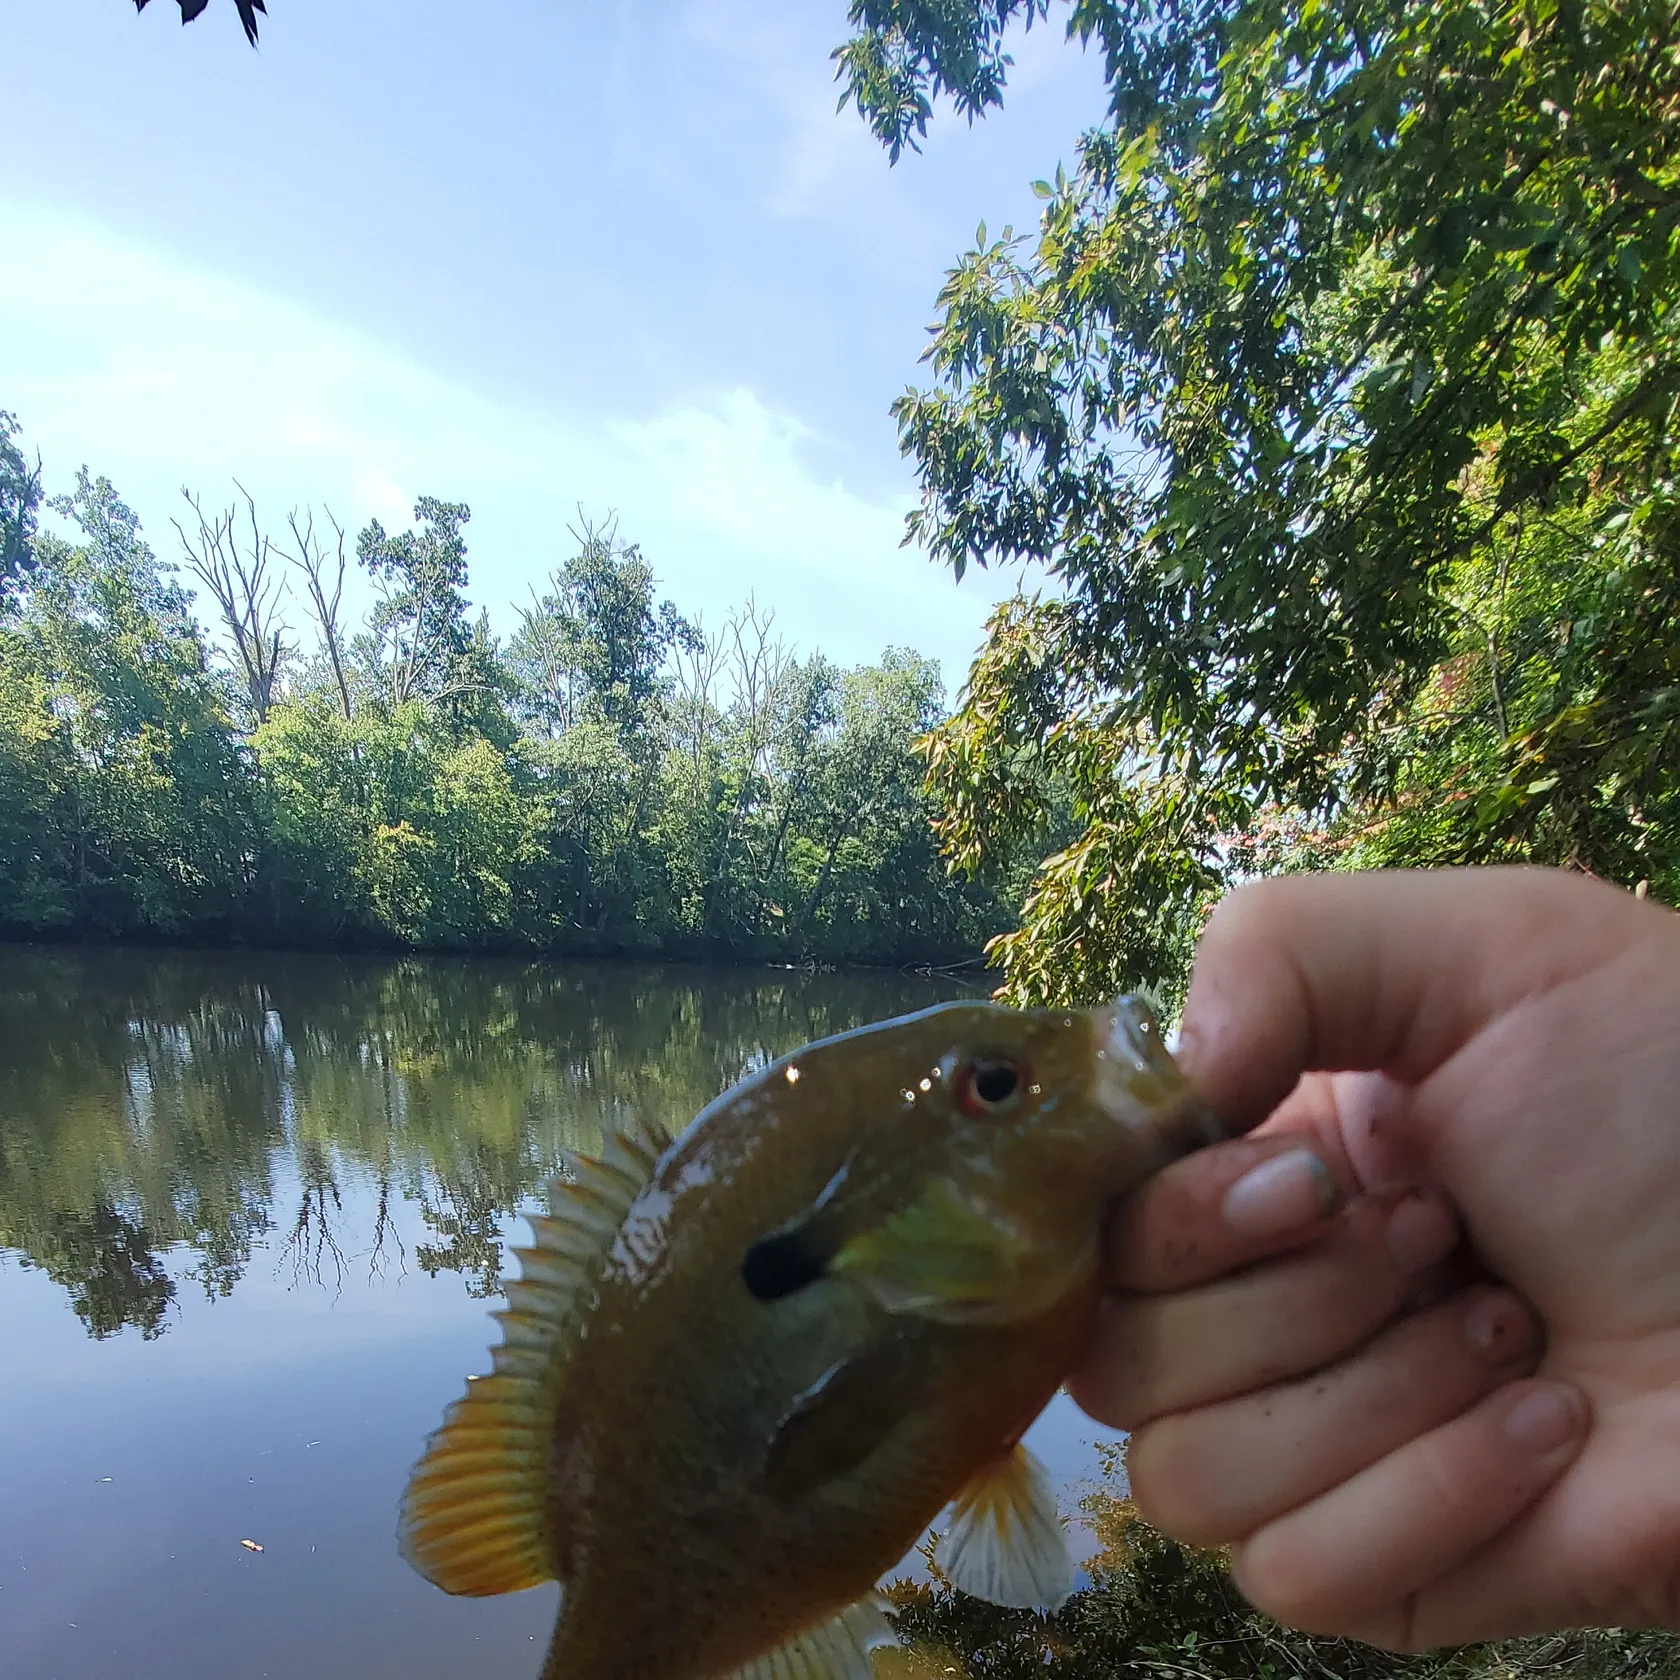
x,y
310,557
246,594
312,1246
695,703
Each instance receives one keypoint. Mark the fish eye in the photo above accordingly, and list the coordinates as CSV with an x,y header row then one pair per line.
x,y
988,1086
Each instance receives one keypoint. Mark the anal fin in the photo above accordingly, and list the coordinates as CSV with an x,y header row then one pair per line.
x,y
1005,1541
841,1649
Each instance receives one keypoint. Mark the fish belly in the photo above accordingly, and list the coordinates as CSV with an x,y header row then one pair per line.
x,y
684,1565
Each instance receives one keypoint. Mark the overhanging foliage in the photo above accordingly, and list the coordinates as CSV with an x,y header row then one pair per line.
x,y
1335,395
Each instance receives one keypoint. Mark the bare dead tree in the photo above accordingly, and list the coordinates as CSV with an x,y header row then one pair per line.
x,y
310,557
545,648
247,594
694,702
758,663
312,1246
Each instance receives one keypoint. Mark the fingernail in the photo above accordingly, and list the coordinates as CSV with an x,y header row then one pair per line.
x,y
1371,1107
1285,1193
1421,1230
1500,1328
1546,1418
1370,1103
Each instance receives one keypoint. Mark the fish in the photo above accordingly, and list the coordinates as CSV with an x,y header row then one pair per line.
x,y
745,1368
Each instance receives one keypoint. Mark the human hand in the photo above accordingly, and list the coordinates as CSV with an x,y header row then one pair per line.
x,y
1302,1374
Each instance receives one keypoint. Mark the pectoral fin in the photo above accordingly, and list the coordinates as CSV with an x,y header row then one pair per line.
x,y
1005,1543
843,1418
949,1257
837,1650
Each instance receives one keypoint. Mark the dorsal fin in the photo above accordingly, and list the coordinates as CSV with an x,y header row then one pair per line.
x,y
471,1519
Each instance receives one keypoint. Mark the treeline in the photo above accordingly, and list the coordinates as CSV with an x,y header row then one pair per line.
x,y
611,778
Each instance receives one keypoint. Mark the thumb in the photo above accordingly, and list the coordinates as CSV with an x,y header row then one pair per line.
x,y
1390,971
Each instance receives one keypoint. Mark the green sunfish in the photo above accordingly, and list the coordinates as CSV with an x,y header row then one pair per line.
x,y
743,1370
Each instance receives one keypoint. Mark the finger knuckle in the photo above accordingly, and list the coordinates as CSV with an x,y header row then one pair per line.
x,y
1252,911
1282,1578
1102,1393
1165,1465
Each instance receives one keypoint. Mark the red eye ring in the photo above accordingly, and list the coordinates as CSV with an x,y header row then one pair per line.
x,y
989,1085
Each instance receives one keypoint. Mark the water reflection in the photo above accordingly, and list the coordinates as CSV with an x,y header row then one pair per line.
x,y
272,1192
146,1101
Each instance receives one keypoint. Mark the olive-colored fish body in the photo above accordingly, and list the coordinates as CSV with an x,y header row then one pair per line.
x,y
748,1368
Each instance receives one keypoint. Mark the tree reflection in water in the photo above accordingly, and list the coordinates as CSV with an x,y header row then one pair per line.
x,y
166,1118
167,1104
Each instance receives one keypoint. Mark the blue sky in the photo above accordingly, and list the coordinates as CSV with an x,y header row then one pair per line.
x,y
521,253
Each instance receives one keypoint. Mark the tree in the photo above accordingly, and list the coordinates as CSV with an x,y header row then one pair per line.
x,y
417,641
1351,325
140,806
20,501
596,644
246,594
309,555
858,857
191,9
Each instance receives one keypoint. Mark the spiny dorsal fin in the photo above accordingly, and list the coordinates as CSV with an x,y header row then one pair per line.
x,y
837,1650
471,1519
1005,1543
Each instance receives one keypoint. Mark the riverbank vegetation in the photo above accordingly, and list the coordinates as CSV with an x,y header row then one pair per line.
x,y
1155,1610
611,778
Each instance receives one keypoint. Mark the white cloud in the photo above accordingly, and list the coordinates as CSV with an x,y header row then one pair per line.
x,y
818,156
156,374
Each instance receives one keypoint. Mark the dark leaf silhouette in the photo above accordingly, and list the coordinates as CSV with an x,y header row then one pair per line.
x,y
248,10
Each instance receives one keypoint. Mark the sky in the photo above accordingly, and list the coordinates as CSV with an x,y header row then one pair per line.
x,y
537,256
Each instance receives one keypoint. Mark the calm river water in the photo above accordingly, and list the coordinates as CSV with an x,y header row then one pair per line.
x,y
252,1217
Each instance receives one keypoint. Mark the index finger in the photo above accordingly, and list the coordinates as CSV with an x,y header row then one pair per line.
x,y
1389,970
1175,1230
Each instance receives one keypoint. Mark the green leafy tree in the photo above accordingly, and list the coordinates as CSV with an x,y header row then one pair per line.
x,y
316,794
125,763
418,644
597,643
20,502
591,669
1349,337
866,864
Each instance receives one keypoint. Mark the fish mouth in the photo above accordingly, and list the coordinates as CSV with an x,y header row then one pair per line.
x,y
1141,1088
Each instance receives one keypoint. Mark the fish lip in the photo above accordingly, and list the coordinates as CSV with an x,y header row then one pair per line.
x,y
1139,1085
1134,1038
